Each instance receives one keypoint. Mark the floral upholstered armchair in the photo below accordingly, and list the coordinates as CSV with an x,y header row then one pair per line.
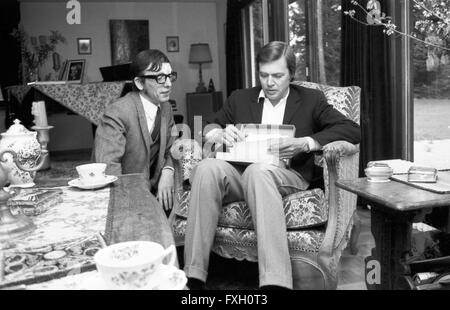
x,y
319,221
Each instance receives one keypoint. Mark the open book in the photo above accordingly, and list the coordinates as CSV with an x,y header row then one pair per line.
x,y
254,149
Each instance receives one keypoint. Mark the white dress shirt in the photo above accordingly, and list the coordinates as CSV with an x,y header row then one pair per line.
x,y
273,115
150,110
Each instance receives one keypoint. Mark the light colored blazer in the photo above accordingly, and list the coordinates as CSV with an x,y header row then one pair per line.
x,y
123,141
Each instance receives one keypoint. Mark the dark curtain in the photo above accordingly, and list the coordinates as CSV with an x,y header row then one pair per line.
x,y
234,44
10,49
366,62
10,56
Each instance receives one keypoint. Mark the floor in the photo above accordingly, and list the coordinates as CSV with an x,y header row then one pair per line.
x,y
226,274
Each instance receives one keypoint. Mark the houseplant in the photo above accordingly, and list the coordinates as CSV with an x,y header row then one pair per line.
x,y
34,53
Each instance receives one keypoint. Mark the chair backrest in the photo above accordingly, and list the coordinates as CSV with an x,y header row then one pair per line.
x,y
346,100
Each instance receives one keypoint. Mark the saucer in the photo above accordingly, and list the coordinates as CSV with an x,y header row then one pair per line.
x,y
171,278
107,180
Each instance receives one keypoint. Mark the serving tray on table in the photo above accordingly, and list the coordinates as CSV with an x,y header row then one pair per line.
x,y
47,262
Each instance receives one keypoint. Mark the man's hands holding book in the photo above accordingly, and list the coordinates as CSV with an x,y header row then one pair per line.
x,y
286,148
228,136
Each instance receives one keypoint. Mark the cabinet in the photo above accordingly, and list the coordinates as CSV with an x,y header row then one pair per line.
x,y
201,104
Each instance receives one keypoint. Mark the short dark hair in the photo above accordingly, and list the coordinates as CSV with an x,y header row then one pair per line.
x,y
144,58
273,51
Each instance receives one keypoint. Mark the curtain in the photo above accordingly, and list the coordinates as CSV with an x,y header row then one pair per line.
x,y
10,57
366,62
234,44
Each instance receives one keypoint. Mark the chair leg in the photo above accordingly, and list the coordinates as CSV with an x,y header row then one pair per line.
x,y
354,236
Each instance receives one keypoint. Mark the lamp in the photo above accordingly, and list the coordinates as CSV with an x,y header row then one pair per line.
x,y
1,94
200,54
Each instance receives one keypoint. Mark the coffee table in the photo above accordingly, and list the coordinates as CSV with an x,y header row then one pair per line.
x,y
131,213
394,206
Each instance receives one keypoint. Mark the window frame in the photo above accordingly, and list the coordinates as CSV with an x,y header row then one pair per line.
x,y
250,77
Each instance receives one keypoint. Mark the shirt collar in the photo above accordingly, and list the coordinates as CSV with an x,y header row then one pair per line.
x,y
262,95
148,105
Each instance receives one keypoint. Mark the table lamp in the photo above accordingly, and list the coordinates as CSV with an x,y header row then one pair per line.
x,y
200,54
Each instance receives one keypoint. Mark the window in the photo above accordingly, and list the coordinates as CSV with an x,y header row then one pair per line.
x,y
255,36
431,84
298,37
315,35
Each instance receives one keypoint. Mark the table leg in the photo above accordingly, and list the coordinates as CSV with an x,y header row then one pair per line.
x,y
392,234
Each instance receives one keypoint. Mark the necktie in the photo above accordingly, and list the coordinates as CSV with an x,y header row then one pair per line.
x,y
157,126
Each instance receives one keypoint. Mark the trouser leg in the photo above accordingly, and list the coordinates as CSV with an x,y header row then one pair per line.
x,y
264,186
214,183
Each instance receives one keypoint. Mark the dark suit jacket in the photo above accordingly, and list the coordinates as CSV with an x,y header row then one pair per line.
x,y
307,109
123,141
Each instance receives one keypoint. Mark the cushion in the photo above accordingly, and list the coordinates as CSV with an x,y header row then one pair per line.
x,y
229,239
303,210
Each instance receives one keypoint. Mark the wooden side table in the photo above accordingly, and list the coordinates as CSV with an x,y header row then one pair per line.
x,y
394,206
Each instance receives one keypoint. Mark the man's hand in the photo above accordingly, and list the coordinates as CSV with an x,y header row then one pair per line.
x,y
289,147
166,189
229,136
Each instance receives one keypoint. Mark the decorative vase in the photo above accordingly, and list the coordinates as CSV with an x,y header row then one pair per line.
x,y
33,74
26,145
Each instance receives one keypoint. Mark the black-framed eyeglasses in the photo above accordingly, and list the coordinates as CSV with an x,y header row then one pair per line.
x,y
161,78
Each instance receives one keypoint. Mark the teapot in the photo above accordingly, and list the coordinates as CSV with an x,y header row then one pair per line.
x,y
26,145
13,226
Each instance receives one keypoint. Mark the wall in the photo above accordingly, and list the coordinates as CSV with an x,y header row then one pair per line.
x,y
192,22
71,132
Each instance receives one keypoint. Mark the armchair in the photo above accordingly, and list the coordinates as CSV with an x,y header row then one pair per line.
x,y
319,221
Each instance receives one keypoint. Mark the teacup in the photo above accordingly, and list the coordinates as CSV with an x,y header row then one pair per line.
x,y
134,264
91,173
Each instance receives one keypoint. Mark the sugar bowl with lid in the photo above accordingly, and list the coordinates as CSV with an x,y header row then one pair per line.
x,y
378,172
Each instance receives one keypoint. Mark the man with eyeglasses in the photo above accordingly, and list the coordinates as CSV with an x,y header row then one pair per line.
x,y
134,134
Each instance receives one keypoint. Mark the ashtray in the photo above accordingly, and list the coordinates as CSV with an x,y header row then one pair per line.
x,y
422,175
378,172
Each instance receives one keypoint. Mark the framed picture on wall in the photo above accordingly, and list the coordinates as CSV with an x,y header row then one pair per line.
x,y
173,44
84,46
74,71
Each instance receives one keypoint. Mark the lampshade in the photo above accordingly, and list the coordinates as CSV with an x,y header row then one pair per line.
x,y
200,53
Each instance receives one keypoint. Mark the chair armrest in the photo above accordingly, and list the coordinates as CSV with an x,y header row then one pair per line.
x,y
186,154
341,148
341,160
